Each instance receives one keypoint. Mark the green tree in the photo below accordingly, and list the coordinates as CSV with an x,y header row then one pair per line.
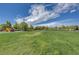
x,y
16,26
30,27
76,27
8,23
24,26
0,26
4,26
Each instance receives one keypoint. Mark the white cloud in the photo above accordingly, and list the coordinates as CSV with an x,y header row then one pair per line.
x,y
48,24
19,20
52,24
39,13
72,11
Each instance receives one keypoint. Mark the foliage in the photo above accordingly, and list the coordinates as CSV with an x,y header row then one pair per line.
x,y
0,26
16,26
24,26
8,23
41,28
66,28
30,27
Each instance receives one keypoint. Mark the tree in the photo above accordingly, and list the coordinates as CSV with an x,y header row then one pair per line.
x,y
24,26
76,27
0,26
4,26
8,23
30,27
16,26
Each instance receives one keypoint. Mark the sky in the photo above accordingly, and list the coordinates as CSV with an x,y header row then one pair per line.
x,y
43,14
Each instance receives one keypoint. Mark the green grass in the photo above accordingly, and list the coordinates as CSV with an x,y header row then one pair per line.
x,y
39,42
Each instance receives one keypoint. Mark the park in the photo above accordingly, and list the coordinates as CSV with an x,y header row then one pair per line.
x,y
39,29
39,41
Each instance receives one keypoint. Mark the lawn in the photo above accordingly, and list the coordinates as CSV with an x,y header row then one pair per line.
x,y
39,43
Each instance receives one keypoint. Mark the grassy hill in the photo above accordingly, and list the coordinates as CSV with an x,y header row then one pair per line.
x,y
39,42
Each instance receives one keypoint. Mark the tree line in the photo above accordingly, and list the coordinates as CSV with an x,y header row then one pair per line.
x,y
16,27
65,28
23,26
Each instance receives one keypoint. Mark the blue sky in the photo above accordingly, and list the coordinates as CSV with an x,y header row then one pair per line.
x,y
40,14
12,11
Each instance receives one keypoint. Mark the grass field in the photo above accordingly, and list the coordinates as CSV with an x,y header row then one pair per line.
x,y
39,42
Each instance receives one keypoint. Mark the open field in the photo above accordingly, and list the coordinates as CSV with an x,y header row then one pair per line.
x,y
39,42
